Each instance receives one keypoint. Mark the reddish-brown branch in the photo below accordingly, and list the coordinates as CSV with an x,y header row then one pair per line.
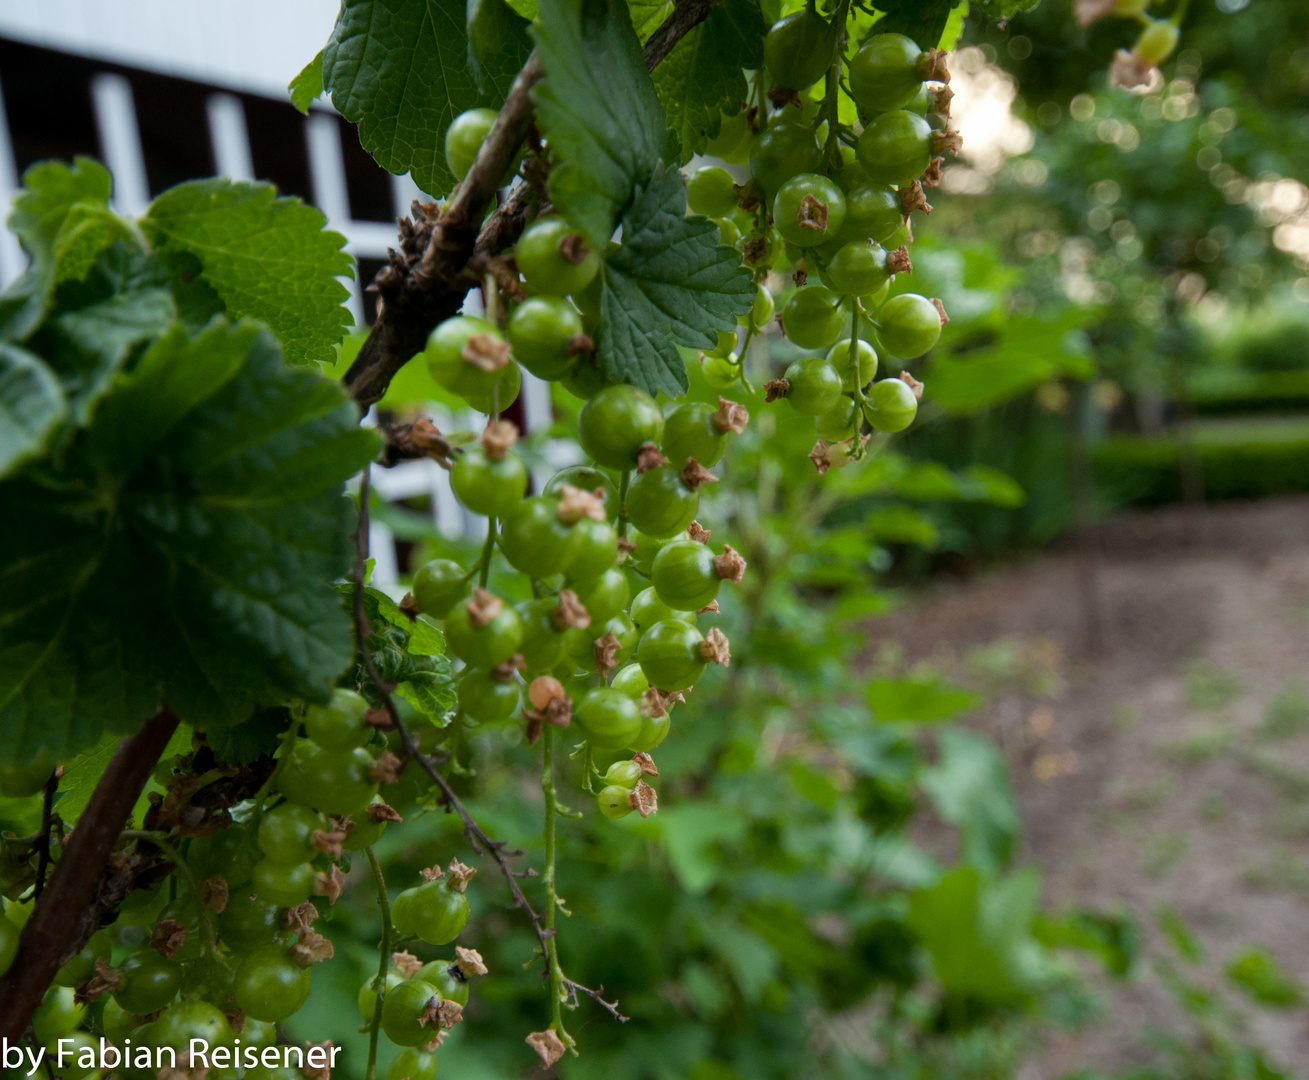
x,y
418,290
55,924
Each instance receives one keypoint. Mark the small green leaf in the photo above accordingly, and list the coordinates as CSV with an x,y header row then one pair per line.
x,y
1179,935
307,87
969,786
671,283
702,78
917,701
497,38
598,108
52,193
32,406
268,258
242,743
1258,973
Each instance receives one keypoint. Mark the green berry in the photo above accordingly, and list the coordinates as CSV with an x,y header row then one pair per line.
x,y
709,191
891,405
814,386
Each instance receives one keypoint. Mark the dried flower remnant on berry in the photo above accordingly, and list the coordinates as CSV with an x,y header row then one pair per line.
x,y
698,533
548,1045
386,769
497,438
569,614
898,261
646,762
731,416
167,936
776,388
696,474
812,214
329,883
643,799
487,352
483,607
729,565
649,457
575,504
913,384
606,649
406,963
469,962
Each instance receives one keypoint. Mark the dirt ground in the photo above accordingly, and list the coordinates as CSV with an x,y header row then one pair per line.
x,y
1158,735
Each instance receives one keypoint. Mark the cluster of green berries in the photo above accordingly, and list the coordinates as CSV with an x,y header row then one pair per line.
x,y
835,207
227,965
620,568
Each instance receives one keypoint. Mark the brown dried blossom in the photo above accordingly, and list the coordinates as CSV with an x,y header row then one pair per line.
x,y
715,649
406,963
312,948
329,883
698,533
106,980
167,936
214,893
575,504
300,918
913,384
469,962
548,1045
940,310
729,565
731,416
486,352
649,457
386,768
812,214
483,607
497,438
569,614
643,799
820,457
318,1072
379,811
898,261
912,198
695,474
776,388
606,649
646,762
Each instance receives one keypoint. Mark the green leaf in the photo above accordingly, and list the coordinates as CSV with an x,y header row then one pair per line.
x,y
917,701
1179,935
1258,973
671,283
32,406
923,20
1114,938
407,653
701,79
497,38
198,576
598,108
53,195
399,69
648,15
1028,353
307,87
268,258
978,933
969,786
242,743
902,524
174,375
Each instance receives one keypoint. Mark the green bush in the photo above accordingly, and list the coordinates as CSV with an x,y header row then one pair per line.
x,y
1247,464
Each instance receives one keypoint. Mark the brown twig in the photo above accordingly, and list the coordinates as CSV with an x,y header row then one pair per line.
x,y
56,919
477,838
418,289
47,823
685,16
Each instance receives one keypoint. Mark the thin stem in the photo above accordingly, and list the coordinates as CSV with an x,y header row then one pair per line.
x,y
175,857
384,962
551,896
47,821
623,481
484,573
831,90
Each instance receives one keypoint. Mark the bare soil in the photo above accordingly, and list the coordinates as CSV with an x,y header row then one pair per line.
x,y
1150,688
